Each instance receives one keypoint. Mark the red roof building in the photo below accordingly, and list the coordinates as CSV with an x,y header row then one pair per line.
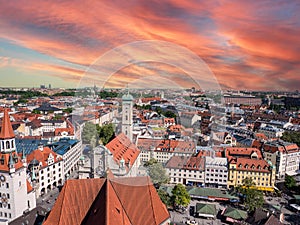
x,y
121,201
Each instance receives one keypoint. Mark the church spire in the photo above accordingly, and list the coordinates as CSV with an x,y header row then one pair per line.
x,y
6,129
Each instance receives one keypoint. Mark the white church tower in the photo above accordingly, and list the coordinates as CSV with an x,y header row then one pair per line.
x,y
16,194
127,112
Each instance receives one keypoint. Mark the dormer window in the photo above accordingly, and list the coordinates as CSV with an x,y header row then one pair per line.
x,y
252,167
246,166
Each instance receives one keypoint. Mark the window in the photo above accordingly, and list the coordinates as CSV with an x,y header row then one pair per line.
x,y
7,185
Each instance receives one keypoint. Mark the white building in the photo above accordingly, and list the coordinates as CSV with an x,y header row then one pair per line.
x,y
186,170
163,149
285,156
216,172
70,150
16,194
46,170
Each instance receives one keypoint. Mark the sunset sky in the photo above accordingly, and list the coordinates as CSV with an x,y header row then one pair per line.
x,y
253,45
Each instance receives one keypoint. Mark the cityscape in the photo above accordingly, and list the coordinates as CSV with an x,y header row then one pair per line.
x,y
149,113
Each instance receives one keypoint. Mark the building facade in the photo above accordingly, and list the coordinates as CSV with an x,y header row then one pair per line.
x,y
45,169
284,156
216,172
186,170
16,194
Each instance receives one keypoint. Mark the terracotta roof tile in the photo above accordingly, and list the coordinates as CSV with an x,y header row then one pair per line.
x,y
74,201
121,201
6,129
29,187
4,160
42,156
121,147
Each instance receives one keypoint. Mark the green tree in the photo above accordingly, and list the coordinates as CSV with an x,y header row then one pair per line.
x,y
89,134
291,136
253,198
150,162
68,110
106,133
157,173
36,111
170,114
165,197
180,196
289,182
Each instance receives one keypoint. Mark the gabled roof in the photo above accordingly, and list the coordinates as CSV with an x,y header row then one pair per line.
x,y
74,201
6,129
42,156
122,148
206,209
235,213
5,159
122,201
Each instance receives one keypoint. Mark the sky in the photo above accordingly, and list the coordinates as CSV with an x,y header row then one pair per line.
x,y
232,44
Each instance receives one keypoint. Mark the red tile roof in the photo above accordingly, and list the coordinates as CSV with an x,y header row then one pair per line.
x,y
4,160
119,201
242,152
42,156
166,145
29,187
74,201
121,147
6,129
257,165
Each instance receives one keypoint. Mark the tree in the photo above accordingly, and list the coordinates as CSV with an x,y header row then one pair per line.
x,y
106,133
89,133
150,162
180,196
289,182
157,173
170,114
253,198
165,197
291,136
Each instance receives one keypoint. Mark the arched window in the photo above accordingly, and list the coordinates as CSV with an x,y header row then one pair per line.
x,y
12,143
3,145
7,145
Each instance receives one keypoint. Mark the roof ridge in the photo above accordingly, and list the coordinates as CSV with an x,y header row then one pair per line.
x,y
150,194
129,218
107,202
64,191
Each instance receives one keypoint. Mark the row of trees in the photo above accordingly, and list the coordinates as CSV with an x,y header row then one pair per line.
x,y
93,133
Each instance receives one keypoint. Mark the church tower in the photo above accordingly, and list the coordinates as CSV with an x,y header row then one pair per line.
x,y
16,194
127,114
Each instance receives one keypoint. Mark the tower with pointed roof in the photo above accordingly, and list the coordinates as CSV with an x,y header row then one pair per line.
x,y
127,114
16,193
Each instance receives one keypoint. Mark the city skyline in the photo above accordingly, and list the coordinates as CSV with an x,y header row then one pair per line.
x,y
245,45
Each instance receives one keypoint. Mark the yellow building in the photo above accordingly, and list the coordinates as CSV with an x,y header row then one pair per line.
x,y
259,170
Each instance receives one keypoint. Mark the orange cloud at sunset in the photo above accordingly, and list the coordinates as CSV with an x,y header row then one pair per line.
x,y
246,44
